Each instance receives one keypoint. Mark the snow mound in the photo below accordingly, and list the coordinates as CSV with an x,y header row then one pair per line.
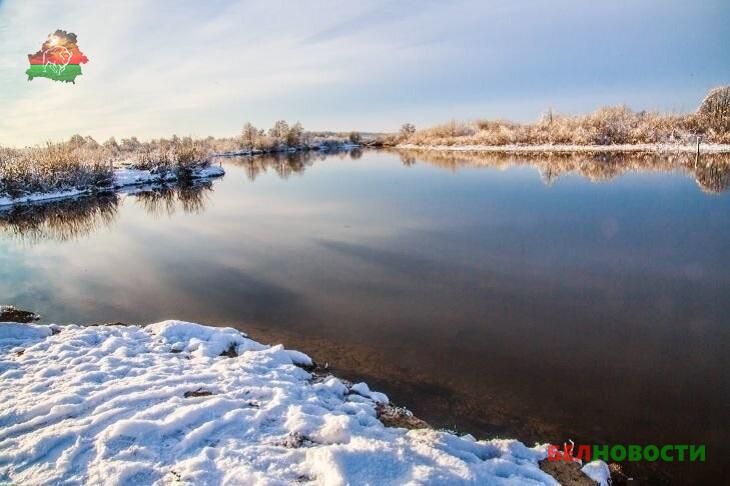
x,y
160,405
203,341
364,390
598,471
12,333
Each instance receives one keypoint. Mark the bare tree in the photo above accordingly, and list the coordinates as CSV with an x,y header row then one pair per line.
x,y
130,144
90,142
406,130
294,135
355,137
111,144
76,141
249,135
279,131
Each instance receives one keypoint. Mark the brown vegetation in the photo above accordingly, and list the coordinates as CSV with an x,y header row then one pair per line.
x,y
52,167
606,126
82,163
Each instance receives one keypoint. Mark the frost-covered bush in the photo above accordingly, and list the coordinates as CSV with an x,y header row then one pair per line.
x,y
177,155
609,125
82,163
53,167
715,109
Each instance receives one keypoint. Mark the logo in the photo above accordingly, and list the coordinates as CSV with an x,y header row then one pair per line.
x,y
59,58
630,452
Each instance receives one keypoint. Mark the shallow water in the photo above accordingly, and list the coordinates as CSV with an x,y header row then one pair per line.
x,y
544,298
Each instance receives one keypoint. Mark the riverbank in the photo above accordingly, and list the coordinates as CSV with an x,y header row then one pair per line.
x,y
121,178
182,402
644,148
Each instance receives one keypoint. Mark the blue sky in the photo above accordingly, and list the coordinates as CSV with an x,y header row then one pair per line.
x,y
203,68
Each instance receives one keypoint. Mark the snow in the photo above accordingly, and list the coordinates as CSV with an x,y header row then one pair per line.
x,y
41,196
362,389
12,333
122,178
598,471
130,177
158,404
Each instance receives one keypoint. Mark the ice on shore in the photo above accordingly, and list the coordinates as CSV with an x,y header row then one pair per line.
x,y
178,402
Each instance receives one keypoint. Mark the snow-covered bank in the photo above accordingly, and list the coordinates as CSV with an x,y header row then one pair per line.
x,y
705,148
180,402
122,178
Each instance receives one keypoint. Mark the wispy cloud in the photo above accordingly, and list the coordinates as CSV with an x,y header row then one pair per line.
x,y
158,67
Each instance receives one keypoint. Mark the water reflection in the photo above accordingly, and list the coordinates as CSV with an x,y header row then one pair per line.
x,y
286,164
713,175
711,171
191,198
71,219
63,220
75,218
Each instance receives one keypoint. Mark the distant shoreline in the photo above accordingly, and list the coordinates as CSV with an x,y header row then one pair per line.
x,y
705,148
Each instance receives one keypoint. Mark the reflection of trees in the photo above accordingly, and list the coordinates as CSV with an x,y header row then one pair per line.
x,y
711,171
69,219
63,220
407,158
192,198
712,176
284,164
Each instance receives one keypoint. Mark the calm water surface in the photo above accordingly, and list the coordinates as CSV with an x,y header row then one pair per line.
x,y
543,300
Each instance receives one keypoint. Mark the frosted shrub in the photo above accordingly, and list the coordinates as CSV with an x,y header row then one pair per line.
x,y
606,126
715,109
53,167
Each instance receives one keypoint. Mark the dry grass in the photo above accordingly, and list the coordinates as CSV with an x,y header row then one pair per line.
x,y
611,125
82,163
52,167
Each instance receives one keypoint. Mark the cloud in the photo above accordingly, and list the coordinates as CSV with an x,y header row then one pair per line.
x,y
203,68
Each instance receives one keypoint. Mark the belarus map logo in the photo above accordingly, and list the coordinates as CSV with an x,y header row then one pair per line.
x,y
59,58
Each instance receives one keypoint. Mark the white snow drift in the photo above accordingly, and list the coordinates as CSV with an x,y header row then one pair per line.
x,y
160,405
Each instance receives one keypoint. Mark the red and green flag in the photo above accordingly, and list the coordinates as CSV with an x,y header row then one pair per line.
x,y
59,58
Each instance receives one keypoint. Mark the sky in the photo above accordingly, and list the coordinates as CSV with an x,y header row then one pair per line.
x,y
204,68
